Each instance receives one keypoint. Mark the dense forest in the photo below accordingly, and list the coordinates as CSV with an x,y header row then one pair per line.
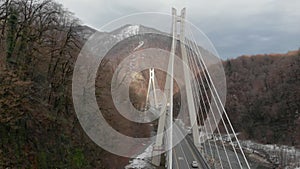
x,y
39,43
263,96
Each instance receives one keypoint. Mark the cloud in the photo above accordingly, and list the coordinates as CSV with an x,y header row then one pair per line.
x,y
232,25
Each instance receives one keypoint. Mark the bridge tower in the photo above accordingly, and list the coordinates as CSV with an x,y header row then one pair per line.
x,y
151,87
166,111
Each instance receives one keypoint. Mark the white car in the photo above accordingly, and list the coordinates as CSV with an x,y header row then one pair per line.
x,y
195,164
189,130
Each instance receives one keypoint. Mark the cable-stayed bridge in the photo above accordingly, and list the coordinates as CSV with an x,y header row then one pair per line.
x,y
193,139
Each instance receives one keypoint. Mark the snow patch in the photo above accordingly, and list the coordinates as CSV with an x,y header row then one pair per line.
x,y
128,31
278,154
142,160
141,43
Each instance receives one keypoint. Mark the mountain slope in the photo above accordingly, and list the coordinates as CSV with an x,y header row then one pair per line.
x,y
263,97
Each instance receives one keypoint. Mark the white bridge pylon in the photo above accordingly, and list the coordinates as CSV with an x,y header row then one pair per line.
x,y
167,109
197,90
152,88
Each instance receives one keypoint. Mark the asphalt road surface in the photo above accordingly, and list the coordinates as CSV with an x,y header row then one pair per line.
x,y
185,153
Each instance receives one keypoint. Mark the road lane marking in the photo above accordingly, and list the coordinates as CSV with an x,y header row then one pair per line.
x,y
192,152
187,143
188,164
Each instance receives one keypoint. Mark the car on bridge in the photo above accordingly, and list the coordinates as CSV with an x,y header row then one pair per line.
x,y
195,164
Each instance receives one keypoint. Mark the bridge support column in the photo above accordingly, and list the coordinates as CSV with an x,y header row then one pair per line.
x,y
151,84
169,93
188,84
156,154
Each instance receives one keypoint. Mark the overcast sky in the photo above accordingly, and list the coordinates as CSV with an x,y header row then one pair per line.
x,y
235,27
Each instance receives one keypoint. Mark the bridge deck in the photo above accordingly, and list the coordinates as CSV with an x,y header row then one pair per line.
x,y
185,153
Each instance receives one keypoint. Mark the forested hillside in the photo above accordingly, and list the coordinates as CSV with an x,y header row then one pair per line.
x,y
264,97
39,43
